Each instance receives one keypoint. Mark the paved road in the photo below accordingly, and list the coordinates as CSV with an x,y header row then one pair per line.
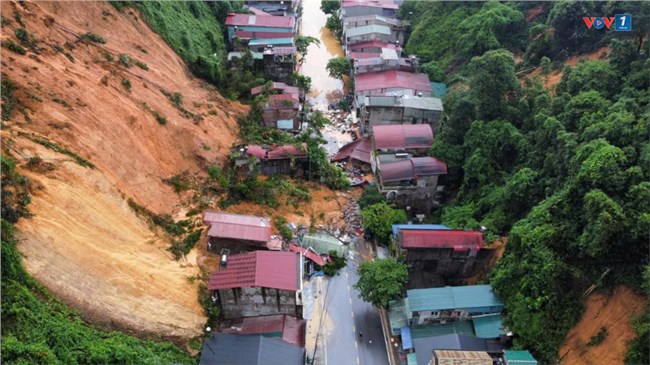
x,y
346,316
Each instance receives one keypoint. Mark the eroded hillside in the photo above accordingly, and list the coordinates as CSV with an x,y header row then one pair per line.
x,y
130,108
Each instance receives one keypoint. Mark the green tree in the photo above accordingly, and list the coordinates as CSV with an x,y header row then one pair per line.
x,y
434,71
303,82
370,196
336,263
335,26
379,219
381,281
496,25
338,67
303,42
493,83
329,6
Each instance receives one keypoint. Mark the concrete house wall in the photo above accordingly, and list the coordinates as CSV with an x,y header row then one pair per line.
x,y
381,115
257,301
452,267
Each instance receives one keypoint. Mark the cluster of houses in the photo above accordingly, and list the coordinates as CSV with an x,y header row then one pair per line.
x,y
398,108
258,287
269,33
440,324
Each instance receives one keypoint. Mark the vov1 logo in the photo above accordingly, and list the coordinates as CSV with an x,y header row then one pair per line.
x,y
622,22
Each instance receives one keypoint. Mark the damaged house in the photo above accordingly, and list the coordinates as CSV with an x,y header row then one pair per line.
x,y
259,283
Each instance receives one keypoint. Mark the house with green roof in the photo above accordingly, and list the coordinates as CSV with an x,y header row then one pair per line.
x,y
323,243
452,303
518,357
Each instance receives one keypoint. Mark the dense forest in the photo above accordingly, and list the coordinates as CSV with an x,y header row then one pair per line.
x,y
562,171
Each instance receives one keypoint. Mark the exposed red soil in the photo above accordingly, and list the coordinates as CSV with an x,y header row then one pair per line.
x,y
84,243
613,312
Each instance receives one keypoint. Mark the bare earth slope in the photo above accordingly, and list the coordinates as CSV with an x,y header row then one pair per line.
x,y
84,243
613,312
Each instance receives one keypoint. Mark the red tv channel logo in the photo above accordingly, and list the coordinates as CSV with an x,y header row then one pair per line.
x,y
621,22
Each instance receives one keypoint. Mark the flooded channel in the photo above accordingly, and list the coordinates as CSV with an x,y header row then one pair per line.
x,y
325,89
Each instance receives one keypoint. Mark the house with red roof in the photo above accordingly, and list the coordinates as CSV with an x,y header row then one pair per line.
x,y
239,233
290,329
283,105
411,183
273,160
354,8
442,256
259,283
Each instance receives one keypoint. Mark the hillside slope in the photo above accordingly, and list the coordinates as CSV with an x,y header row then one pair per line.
x,y
83,242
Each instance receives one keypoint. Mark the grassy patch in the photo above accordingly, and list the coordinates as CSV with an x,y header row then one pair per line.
x,y
8,100
14,47
127,84
27,40
91,37
159,118
19,18
125,60
179,182
598,337
177,100
56,148
141,64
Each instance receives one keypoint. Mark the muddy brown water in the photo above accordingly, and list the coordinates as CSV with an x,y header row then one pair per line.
x,y
325,89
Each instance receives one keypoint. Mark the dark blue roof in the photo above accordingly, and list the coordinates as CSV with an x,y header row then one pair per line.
x,y
228,349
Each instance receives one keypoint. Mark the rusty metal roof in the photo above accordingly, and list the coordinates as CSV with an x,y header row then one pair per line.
x,y
286,89
403,136
260,20
246,227
418,82
278,152
291,329
458,240
359,150
427,166
267,269
283,101
315,257
396,171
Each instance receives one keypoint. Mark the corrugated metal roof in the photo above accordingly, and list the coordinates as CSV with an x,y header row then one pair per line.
x,y
256,55
427,166
425,346
228,225
267,269
402,136
367,29
272,41
313,256
362,151
452,297
396,171
283,101
515,357
411,359
405,334
488,326
242,34
287,151
286,89
229,349
399,313
290,329
457,239
404,101
260,20
371,44
363,55
439,89
431,330
256,11
450,357
280,50
363,18
385,4
323,243
392,79
422,227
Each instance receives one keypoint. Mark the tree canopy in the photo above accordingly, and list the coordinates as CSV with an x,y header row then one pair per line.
x,y
381,281
379,219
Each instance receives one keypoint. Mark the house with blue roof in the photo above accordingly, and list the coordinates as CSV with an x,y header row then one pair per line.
x,y
452,303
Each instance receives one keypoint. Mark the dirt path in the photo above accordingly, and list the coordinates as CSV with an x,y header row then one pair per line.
x,y
612,312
